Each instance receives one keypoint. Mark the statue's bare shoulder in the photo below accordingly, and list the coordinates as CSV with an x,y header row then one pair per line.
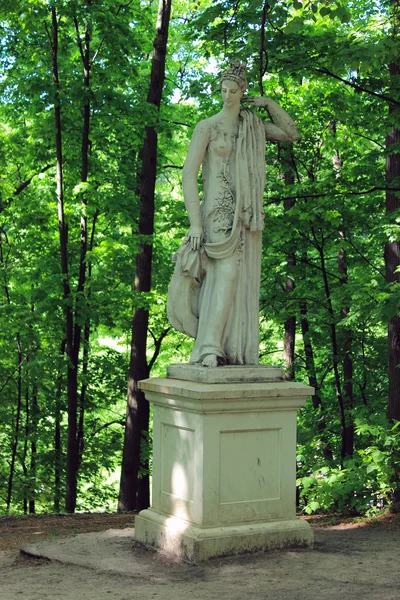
x,y
203,128
206,130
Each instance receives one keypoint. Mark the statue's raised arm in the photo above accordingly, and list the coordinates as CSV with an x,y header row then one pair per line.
x,y
214,292
283,128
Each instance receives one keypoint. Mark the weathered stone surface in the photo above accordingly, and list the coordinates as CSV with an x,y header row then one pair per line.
x,y
194,543
225,374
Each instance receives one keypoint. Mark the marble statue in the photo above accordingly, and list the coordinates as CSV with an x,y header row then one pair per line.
x,y
214,292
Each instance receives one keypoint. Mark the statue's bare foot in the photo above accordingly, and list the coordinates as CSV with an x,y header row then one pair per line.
x,y
210,361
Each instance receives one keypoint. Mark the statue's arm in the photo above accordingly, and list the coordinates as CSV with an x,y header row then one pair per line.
x,y
283,128
191,168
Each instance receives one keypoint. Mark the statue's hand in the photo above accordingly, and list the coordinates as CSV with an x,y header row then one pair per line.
x,y
260,101
195,236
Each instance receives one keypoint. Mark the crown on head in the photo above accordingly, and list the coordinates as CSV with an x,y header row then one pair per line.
x,y
236,72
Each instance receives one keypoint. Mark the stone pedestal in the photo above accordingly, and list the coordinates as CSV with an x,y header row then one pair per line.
x,y
224,462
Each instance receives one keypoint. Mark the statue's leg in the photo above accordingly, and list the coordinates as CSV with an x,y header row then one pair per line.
x,y
216,305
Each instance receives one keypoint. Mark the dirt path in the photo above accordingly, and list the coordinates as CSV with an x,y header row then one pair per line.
x,y
356,561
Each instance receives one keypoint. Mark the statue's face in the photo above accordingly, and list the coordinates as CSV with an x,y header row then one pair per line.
x,y
231,93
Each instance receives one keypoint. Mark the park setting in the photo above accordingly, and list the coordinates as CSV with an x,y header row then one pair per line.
x,y
199,299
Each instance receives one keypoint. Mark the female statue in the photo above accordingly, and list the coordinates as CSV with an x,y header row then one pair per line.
x,y
214,292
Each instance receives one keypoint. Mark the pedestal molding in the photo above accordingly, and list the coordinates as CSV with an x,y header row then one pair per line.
x,y
196,543
225,397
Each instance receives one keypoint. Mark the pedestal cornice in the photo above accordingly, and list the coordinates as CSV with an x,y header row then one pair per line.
x,y
221,397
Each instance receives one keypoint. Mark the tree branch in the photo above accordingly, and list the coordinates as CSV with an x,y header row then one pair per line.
x,y
116,422
157,345
17,368
310,263
22,186
48,35
364,258
332,193
176,123
357,87
369,139
78,39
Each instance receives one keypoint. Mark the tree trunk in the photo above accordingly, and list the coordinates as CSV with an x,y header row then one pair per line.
x,y
72,382
290,323
134,493
347,338
392,249
312,379
14,444
34,426
57,436
335,352
309,354
86,352
25,452
18,369
392,255
73,316
348,401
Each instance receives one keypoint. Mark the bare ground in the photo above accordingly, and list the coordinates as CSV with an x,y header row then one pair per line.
x,y
94,558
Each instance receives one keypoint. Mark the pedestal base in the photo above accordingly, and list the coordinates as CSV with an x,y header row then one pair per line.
x,y
224,462
190,542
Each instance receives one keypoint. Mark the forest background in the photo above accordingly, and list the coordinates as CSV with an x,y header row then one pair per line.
x,y
95,120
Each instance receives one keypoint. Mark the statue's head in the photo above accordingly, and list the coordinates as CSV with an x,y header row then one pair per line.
x,y
233,83
237,73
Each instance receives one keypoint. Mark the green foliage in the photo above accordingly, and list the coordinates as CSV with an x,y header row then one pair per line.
x,y
363,483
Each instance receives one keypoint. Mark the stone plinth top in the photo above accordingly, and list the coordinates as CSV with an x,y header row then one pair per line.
x,y
220,397
213,391
227,374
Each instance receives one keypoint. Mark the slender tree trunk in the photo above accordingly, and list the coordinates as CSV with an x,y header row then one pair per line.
x,y
348,400
134,493
86,352
31,423
75,404
72,375
347,337
25,451
14,444
290,323
392,249
392,253
57,435
74,337
335,351
73,319
34,421
263,54
309,354
363,384
312,379
82,397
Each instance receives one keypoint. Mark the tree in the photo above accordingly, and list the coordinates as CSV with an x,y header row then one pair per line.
x,y
134,492
392,247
